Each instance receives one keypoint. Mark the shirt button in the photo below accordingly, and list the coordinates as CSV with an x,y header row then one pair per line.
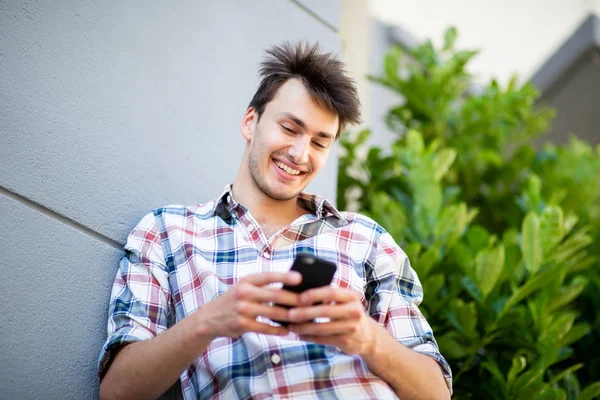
x,y
251,228
228,199
275,359
266,255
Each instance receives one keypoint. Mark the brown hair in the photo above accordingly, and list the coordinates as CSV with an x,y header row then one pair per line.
x,y
322,74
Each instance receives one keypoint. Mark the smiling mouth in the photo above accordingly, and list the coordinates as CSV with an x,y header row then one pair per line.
x,y
287,169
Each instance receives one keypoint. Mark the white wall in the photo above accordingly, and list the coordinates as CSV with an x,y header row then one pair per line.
x,y
107,110
513,35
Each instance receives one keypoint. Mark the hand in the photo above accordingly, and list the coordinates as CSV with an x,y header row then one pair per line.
x,y
234,313
350,329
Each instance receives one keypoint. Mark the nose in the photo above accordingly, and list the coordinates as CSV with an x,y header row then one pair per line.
x,y
299,150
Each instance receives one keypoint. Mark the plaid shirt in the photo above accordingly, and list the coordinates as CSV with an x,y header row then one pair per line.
x,y
180,258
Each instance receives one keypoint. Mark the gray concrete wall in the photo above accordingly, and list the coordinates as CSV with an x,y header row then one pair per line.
x,y
109,109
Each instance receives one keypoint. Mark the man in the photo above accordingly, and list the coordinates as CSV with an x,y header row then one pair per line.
x,y
194,295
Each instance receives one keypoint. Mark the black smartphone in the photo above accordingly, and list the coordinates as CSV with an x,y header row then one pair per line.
x,y
315,272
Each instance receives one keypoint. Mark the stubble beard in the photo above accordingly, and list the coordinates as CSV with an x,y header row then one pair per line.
x,y
259,180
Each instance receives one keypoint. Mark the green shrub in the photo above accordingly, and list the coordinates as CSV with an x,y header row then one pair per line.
x,y
504,236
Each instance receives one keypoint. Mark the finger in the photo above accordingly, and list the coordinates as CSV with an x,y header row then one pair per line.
x,y
267,295
287,278
327,294
334,312
334,328
254,310
250,325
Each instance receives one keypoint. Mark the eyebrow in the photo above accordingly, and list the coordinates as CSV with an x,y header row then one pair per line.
x,y
302,125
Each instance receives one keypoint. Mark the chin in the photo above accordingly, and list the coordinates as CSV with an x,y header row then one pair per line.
x,y
281,192
282,195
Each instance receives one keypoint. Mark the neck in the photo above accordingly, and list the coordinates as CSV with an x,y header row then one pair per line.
x,y
263,208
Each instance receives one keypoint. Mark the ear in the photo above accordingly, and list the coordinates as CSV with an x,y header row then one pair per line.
x,y
248,124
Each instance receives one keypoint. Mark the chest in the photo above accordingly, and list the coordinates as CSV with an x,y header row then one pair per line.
x,y
269,229
207,265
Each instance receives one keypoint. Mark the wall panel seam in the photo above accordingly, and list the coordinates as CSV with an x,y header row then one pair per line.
x,y
315,16
34,205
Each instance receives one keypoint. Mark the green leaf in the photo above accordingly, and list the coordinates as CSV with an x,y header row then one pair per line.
x,y
563,354
518,365
449,38
570,246
464,56
530,243
414,141
580,262
576,333
564,373
429,196
533,391
489,266
550,393
491,157
572,386
413,250
391,64
528,379
531,286
421,221
390,213
427,261
535,313
442,162
555,332
451,346
567,294
468,318
434,283
471,214
570,223
362,137
471,288
532,195
463,317
551,228
478,238
450,225
496,373
590,392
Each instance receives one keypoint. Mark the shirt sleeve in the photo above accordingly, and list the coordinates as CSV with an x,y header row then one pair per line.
x,y
140,296
394,293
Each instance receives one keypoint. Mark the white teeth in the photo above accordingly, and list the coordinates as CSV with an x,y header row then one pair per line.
x,y
287,169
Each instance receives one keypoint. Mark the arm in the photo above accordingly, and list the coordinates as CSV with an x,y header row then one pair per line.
x,y
147,357
410,374
391,337
146,369
403,334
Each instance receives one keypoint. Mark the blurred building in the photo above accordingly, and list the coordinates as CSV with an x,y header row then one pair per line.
x,y
554,44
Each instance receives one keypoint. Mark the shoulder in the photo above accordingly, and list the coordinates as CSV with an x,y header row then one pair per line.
x,y
362,223
385,243
159,217
202,211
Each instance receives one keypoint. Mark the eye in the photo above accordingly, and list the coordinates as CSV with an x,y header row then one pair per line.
x,y
319,145
288,129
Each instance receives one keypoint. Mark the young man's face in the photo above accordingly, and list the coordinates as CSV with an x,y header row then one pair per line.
x,y
290,143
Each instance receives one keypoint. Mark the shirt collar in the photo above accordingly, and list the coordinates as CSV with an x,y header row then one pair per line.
x,y
317,205
224,204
